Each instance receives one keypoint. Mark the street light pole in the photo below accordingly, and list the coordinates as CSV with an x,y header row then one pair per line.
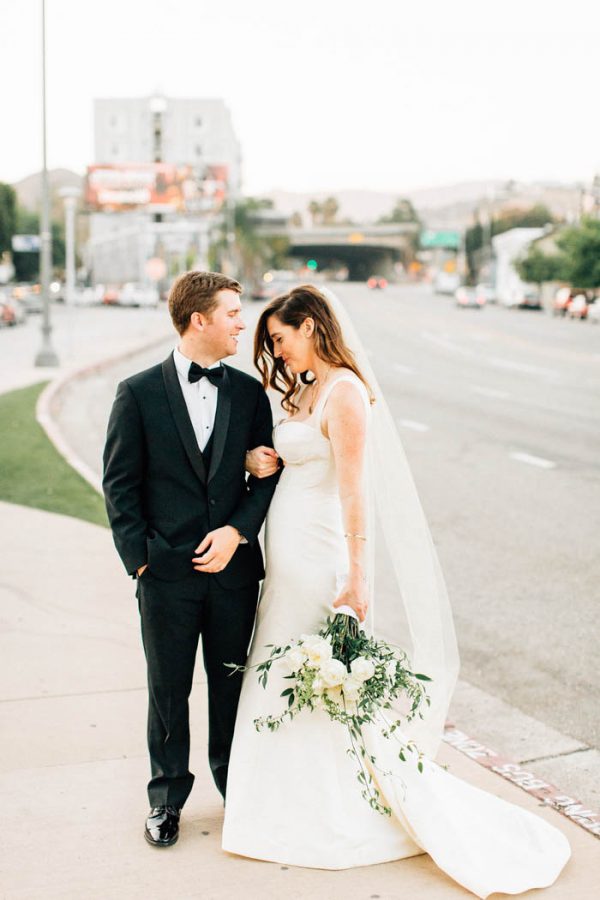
x,y
70,195
46,355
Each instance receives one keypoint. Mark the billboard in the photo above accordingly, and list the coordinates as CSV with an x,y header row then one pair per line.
x,y
154,186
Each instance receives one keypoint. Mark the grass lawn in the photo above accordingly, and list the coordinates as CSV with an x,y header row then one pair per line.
x,y
32,472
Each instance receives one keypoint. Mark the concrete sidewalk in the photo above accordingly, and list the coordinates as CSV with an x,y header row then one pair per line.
x,y
81,336
73,762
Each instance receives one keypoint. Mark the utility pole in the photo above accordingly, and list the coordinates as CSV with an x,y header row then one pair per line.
x,y
70,195
46,355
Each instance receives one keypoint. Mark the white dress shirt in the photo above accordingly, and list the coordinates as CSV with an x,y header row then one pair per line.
x,y
200,398
201,401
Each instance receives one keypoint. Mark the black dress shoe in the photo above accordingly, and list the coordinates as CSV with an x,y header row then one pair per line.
x,y
162,826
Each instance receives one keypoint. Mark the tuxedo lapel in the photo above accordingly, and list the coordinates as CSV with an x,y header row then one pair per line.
x,y
221,428
182,418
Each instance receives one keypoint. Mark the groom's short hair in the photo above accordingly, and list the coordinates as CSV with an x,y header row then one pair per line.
x,y
195,292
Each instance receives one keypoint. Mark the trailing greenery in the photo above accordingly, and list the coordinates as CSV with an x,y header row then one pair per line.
x,y
354,679
32,472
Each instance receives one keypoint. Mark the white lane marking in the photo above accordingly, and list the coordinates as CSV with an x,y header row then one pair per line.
x,y
521,367
414,426
406,370
490,392
442,340
533,460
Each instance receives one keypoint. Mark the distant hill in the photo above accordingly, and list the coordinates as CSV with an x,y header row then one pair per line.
x,y
446,206
29,188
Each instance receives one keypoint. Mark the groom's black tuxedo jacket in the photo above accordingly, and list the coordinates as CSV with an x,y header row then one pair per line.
x,y
162,496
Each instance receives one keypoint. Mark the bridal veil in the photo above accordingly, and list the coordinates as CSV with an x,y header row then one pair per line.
x,y
416,614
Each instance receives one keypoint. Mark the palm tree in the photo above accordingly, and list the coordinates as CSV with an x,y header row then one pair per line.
x,y
315,210
330,210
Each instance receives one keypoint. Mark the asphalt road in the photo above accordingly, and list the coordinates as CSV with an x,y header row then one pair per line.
x,y
499,412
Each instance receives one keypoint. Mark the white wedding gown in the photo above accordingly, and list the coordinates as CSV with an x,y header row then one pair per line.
x,y
292,795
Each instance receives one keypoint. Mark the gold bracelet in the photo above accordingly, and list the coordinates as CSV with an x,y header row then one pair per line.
x,y
359,537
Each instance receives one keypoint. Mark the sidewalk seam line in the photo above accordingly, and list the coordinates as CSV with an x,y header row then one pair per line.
x,y
583,749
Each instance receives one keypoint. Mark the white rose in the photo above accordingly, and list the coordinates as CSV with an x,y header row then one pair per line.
x,y
294,659
317,651
362,668
333,672
351,688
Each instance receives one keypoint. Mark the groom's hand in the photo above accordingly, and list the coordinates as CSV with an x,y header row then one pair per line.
x,y
262,462
216,549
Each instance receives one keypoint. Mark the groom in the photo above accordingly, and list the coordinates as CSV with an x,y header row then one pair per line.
x,y
185,522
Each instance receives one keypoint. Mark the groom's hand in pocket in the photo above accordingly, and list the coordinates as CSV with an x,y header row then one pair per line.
x,y
217,548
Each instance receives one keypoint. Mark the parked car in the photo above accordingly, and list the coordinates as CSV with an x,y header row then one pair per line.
x,y
487,291
8,316
110,296
30,295
20,311
88,296
469,298
377,282
527,298
446,282
133,294
261,290
273,283
593,313
562,301
578,307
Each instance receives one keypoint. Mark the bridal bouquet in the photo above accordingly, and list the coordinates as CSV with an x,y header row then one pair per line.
x,y
354,679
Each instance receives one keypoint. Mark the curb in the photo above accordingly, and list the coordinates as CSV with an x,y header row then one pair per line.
x,y
51,392
523,778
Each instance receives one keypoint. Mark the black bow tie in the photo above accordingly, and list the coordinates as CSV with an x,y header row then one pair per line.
x,y
197,372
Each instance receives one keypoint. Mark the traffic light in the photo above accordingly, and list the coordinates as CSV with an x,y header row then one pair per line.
x,y
312,265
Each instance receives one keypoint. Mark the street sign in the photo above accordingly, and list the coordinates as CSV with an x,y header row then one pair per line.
x,y
448,240
26,243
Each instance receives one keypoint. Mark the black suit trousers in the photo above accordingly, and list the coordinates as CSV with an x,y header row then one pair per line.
x,y
173,618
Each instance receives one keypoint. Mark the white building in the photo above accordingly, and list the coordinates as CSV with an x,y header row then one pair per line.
x,y
179,131
508,247
193,132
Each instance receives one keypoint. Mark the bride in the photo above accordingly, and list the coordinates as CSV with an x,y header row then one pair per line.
x,y
292,795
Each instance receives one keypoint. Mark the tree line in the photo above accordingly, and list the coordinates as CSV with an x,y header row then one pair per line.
x,y
15,219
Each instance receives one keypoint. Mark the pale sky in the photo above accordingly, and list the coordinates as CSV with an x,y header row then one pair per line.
x,y
324,94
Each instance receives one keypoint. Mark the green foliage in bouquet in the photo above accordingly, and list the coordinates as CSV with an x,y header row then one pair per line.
x,y
354,679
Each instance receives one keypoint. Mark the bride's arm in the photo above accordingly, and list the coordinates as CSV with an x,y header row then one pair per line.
x,y
345,423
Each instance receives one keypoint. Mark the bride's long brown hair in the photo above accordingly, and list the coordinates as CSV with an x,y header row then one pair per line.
x,y
292,308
